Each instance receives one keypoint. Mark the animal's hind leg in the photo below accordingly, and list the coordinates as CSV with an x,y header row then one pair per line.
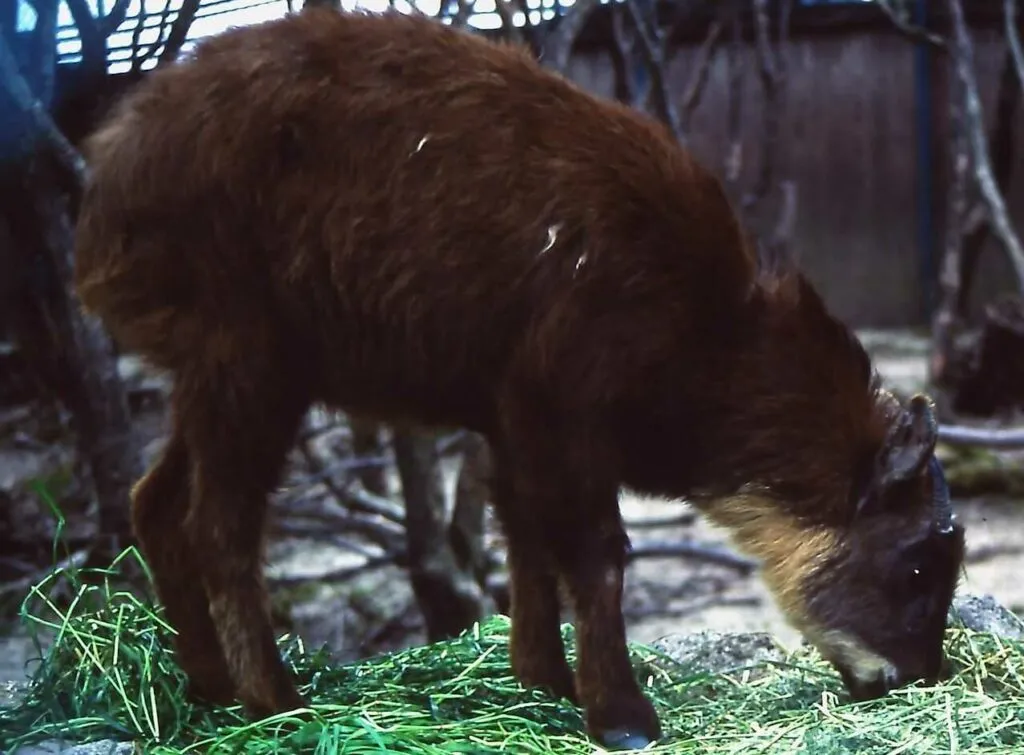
x,y
242,419
160,502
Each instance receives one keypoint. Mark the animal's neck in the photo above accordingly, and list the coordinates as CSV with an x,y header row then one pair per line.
x,y
790,409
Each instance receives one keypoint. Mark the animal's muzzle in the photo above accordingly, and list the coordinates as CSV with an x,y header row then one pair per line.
x,y
869,689
886,680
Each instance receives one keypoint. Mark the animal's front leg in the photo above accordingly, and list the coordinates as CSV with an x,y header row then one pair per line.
x,y
538,655
617,712
567,484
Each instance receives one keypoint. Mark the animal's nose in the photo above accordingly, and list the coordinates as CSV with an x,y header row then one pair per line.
x,y
891,678
865,689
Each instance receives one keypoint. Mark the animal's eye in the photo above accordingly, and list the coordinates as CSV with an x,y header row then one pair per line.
x,y
917,575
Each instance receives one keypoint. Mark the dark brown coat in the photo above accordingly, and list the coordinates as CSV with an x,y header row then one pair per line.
x,y
408,222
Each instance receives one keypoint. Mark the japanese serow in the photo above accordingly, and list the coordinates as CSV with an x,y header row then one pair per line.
x,y
391,217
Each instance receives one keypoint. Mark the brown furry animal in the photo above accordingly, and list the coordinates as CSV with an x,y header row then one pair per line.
x,y
386,215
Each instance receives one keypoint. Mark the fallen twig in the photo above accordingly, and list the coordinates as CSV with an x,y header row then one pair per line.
x,y
75,561
955,435
655,522
708,553
339,575
322,534
692,607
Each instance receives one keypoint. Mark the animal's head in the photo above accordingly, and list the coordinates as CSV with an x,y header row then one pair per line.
x,y
870,588
876,603
843,500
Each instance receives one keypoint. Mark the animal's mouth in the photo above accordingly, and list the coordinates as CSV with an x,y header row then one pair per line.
x,y
867,683
869,687
866,674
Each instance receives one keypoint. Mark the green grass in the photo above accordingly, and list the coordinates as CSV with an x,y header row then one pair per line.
x,y
111,673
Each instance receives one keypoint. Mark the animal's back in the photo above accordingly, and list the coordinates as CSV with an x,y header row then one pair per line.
x,y
346,176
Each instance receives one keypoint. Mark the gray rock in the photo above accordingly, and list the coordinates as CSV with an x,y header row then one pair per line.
x,y
716,652
60,747
983,613
11,692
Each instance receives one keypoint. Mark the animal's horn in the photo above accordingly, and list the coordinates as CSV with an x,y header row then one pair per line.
x,y
941,501
911,441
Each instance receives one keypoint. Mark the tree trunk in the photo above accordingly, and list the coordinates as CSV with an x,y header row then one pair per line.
x,y
91,386
41,184
1002,143
995,381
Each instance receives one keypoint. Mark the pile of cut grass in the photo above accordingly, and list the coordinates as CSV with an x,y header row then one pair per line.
x,y
110,673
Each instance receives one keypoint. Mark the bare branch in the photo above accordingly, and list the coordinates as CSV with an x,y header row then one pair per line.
x,y
623,43
340,575
954,435
1002,144
652,47
975,125
94,50
507,14
677,520
734,117
461,17
11,79
782,234
140,24
319,533
43,65
75,561
623,87
699,78
1013,38
165,16
558,44
179,31
707,553
329,522
472,492
367,443
108,25
909,30
771,127
946,316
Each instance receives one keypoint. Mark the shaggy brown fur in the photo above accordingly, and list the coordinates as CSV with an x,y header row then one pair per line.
x,y
405,221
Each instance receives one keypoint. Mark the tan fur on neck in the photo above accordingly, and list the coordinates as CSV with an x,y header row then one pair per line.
x,y
788,549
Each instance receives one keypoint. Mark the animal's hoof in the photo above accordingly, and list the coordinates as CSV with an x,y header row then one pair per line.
x,y
623,739
628,722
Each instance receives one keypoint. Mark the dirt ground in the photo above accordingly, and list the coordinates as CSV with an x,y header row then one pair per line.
x,y
376,612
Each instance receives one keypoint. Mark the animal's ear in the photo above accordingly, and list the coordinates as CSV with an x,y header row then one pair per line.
x,y
908,448
910,442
